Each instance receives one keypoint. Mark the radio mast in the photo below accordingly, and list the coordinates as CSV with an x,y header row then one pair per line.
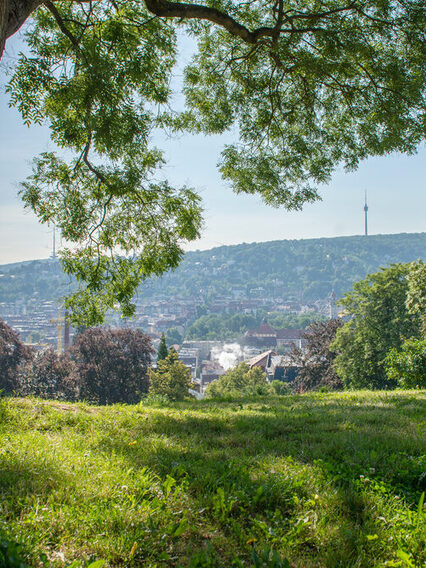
x,y
54,242
365,215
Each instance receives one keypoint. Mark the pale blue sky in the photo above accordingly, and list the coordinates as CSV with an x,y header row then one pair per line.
x,y
396,193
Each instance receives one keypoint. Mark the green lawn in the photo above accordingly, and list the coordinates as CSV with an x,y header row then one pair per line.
x,y
325,480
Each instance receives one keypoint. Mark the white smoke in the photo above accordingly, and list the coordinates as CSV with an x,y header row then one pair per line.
x,y
228,355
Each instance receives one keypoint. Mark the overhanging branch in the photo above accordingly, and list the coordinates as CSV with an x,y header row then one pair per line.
x,y
13,13
165,9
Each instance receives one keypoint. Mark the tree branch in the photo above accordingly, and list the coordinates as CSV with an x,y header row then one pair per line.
x,y
52,8
13,14
165,9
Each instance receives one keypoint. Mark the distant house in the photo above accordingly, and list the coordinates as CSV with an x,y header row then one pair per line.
x,y
263,360
162,325
288,337
276,367
190,358
210,371
263,336
266,336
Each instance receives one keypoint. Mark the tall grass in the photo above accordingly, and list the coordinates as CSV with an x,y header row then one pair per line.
x,y
323,480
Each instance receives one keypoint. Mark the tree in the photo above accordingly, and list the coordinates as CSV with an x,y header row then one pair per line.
x,y
240,381
162,349
407,366
294,321
171,379
309,86
173,336
49,375
112,364
316,360
13,353
379,322
416,295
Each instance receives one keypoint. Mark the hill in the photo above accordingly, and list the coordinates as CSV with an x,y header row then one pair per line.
x,y
318,480
307,269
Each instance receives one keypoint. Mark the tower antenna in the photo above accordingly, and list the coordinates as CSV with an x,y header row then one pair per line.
x,y
365,215
54,242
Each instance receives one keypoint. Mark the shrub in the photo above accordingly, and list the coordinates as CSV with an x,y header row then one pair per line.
x,y
408,366
240,381
13,353
49,375
281,387
171,379
112,364
315,361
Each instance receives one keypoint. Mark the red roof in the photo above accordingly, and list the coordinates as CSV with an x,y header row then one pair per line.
x,y
261,360
263,329
290,333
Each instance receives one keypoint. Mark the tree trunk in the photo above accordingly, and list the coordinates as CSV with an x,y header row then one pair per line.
x,y
3,21
13,14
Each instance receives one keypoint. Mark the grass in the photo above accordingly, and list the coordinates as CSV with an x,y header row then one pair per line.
x,y
320,480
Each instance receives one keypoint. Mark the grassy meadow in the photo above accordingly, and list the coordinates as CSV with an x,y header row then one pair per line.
x,y
317,480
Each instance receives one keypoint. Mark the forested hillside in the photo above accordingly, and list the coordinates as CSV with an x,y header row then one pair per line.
x,y
35,279
306,269
303,269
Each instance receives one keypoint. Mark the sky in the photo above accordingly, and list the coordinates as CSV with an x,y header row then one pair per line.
x,y
395,185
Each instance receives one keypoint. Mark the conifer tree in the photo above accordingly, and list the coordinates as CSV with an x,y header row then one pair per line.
x,y
172,379
162,349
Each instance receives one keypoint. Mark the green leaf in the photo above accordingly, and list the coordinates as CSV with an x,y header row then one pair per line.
x,y
405,558
420,511
97,564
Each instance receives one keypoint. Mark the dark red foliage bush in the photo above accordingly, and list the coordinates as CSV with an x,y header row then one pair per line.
x,y
112,364
13,354
50,375
316,360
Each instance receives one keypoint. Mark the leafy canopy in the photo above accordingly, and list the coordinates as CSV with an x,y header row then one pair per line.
x,y
240,381
308,86
380,321
416,294
408,366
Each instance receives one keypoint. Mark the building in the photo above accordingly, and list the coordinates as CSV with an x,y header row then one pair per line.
x,y
266,336
276,367
190,358
263,360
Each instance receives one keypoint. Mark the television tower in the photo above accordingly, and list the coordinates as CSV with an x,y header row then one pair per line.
x,y
54,242
365,215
